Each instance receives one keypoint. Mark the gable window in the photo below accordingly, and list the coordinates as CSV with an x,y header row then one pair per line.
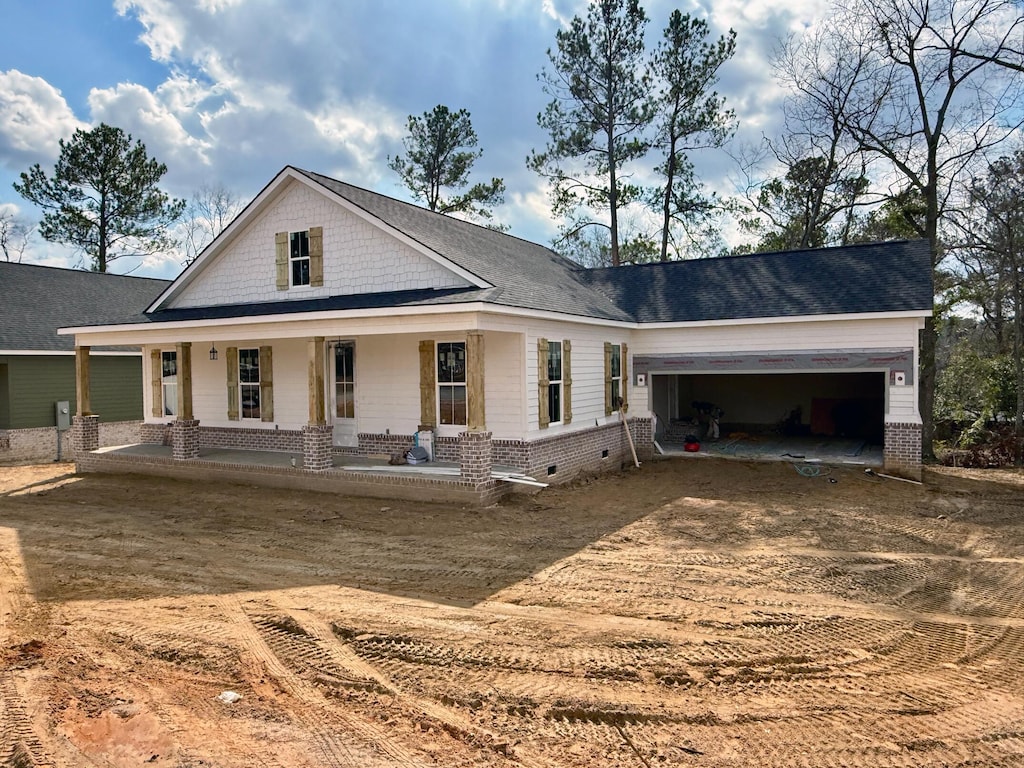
x,y
298,257
169,382
451,382
554,382
249,382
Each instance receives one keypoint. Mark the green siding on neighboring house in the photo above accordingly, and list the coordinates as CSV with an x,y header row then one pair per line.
x,y
5,408
34,384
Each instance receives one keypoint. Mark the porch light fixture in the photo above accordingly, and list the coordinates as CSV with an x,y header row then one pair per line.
x,y
213,351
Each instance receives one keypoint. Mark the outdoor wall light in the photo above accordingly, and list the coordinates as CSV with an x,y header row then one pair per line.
x,y
213,351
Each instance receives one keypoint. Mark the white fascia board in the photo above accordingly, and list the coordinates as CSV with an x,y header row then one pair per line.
x,y
301,325
416,245
67,353
918,314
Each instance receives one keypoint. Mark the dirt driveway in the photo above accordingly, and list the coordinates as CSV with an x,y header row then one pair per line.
x,y
697,613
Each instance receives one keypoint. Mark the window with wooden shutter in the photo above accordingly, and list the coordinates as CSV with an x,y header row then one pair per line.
x,y
566,381
266,374
281,260
232,363
316,256
428,385
542,384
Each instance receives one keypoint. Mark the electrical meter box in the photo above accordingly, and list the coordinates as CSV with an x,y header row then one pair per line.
x,y
63,415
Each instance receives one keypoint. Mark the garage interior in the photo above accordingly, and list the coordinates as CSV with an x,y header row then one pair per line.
x,y
818,416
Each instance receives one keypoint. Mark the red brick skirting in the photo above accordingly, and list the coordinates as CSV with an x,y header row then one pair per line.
x,y
902,452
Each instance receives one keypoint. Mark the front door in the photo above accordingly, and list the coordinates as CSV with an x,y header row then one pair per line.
x,y
343,393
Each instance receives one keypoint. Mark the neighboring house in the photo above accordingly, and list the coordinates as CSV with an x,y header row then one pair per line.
x,y
37,367
327,318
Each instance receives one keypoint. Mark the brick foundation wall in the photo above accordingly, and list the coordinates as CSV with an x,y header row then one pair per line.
x,y
247,438
575,453
40,443
371,444
902,452
155,434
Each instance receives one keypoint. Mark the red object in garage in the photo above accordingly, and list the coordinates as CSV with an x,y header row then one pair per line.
x,y
691,447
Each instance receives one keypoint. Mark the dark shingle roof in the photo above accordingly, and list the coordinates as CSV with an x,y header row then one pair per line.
x,y
35,301
880,277
529,275
883,277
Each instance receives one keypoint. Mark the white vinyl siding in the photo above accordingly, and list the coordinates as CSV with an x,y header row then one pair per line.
x,y
358,257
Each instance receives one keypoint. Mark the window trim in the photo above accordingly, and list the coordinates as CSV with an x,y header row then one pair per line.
x,y
558,383
454,384
296,261
168,411
243,385
615,378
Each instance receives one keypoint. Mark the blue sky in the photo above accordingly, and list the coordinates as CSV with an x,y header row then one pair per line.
x,y
230,91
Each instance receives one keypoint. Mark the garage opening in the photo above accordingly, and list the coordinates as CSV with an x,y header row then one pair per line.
x,y
822,415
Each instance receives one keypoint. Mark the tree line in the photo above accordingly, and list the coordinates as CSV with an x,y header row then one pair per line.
x,y
903,119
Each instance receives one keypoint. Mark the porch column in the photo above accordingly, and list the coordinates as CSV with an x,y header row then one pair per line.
x,y
85,427
317,434
476,420
82,384
184,428
183,350
475,457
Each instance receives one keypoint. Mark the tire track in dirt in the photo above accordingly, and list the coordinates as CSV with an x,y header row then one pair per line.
x,y
342,740
20,747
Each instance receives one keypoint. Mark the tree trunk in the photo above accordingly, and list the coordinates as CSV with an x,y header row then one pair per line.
x,y
670,172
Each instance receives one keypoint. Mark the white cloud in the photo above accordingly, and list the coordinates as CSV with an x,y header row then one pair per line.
x,y
33,117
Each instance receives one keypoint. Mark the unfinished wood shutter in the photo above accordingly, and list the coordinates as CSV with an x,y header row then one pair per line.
x,y
232,361
156,380
542,384
609,406
316,256
281,259
266,383
566,381
624,377
428,385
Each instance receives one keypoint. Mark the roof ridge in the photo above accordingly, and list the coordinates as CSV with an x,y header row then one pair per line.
x,y
762,254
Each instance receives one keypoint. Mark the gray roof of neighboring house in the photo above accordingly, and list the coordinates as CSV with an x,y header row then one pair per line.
x,y
35,301
853,279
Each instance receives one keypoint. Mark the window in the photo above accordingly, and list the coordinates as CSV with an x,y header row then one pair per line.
x,y
249,382
169,382
298,256
616,376
451,382
344,381
554,382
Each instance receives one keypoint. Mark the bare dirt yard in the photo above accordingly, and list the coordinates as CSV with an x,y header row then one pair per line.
x,y
693,612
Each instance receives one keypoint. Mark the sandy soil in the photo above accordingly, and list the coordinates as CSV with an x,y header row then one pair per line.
x,y
694,612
